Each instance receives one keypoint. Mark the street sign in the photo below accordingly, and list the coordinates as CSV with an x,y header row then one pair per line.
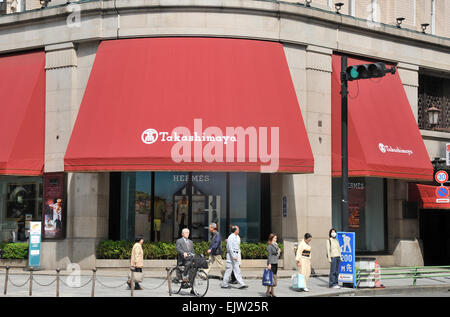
x,y
442,200
441,177
34,251
442,192
347,271
447,151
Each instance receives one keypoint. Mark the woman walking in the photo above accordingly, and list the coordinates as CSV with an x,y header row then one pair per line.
x,y
137,263
272,261
303,258
334,257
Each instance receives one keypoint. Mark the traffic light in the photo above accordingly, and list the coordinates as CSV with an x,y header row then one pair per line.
x,y
366,71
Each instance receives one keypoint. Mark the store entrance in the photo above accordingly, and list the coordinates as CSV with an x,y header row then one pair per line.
x,y
434,228
158,205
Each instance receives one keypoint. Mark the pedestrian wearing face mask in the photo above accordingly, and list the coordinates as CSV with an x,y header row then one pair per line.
x,y
334,257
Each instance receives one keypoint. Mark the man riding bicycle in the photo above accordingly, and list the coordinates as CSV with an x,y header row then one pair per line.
x,y
185,250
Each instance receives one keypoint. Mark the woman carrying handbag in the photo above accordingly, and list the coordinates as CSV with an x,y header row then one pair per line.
x,y
272,261
137,263
303,258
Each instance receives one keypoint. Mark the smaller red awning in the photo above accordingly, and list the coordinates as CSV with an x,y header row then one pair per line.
x,y
425,195
383,137
22,109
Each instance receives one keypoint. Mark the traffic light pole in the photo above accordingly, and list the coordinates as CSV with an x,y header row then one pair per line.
x,y
344,143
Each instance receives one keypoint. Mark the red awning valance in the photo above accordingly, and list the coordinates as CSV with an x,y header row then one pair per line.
x,y
384,139
22,119
425,195
176,103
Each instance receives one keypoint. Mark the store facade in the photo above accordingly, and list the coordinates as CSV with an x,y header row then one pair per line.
x,y
115,93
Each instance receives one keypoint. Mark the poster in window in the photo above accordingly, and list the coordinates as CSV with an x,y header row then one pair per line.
x,y
357,202
54,206
21,200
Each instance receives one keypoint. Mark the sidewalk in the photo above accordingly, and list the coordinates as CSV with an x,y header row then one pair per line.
x,y
111,283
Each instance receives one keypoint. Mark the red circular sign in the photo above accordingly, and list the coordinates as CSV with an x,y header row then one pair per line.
x,y
442,192
441,177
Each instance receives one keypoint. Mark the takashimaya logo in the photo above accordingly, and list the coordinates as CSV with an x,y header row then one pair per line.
x,y
382,148
149,136
387,148
213,144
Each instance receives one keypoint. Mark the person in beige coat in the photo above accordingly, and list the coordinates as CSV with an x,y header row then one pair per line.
x,y
303,258
334,257
137,260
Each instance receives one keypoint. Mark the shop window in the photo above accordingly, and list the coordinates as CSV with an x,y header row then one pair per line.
x,y
367,212
185,200
20,203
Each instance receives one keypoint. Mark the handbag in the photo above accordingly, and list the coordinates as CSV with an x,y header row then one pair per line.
x,y
298,281
267,278
138,277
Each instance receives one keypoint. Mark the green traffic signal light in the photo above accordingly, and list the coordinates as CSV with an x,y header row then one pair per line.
x,y
354,73
366,71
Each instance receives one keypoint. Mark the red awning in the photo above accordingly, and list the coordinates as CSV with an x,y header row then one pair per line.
x,y
22,119
145,95
425,195
384,139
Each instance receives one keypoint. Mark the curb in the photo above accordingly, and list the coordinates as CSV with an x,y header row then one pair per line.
x,y
400,290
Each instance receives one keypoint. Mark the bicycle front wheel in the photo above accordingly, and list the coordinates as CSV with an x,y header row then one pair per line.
x,y
175,281
201,283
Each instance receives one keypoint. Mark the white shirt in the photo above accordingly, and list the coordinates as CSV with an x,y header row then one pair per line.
x,y
233,248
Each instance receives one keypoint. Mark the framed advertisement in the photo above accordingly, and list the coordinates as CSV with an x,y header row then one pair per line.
x,y
20,201
54,206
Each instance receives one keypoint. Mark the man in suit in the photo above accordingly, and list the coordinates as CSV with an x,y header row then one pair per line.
x,y
185,250
233,259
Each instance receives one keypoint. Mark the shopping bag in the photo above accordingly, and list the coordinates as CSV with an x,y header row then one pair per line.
x,y
298,281
138,277
267,278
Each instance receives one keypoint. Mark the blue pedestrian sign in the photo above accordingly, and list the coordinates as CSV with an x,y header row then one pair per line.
x,y
347,272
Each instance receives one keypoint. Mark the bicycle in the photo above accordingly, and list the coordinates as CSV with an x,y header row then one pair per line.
x,y
198,281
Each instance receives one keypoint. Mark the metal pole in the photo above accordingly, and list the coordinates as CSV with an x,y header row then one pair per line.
x,y
31,281
6,280
93,282
57,282
344,143
132,283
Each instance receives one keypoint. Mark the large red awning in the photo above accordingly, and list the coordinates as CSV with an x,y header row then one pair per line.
x,y
384,139
425,195
22,119
176,103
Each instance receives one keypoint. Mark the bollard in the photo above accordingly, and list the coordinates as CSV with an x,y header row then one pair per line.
x,y
93,281
6,280
132,283
31,281
57,282
169,282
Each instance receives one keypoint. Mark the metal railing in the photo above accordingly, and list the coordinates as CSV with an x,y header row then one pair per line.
x,y
411,272
92,280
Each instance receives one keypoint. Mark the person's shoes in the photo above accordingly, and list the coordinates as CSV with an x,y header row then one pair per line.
x,y
138,287
268,295
336,286
306,289
243,287
227,287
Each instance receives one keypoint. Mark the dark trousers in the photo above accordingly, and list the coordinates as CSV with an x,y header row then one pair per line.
x,y
334,271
